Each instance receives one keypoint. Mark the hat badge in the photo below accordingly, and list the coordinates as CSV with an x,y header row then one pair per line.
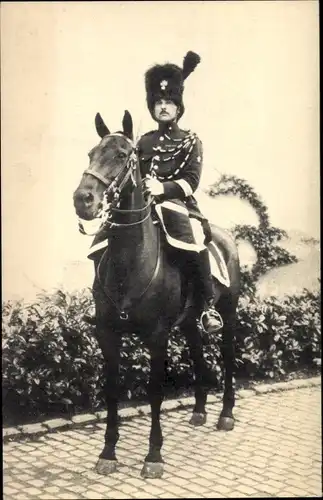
x,y
163,84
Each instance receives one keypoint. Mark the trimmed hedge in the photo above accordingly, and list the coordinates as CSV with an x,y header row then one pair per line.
x,y
51,359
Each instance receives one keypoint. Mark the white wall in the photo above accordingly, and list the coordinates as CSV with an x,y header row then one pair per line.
x,y
253,101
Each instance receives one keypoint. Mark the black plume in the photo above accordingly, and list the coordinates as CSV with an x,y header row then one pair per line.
x,y
191,60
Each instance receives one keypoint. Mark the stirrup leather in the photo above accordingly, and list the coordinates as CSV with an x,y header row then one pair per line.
x,y
214,314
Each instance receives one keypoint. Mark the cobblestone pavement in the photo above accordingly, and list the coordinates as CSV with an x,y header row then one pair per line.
x,y
274,451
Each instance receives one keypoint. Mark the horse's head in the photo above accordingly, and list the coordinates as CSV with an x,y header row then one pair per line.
x,y
110,171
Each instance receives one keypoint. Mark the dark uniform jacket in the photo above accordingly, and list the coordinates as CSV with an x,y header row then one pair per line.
x,y
174,156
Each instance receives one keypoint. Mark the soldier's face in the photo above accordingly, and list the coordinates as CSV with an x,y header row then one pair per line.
x,y
165,111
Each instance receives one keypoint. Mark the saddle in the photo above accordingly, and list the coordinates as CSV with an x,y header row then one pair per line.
x,y
187,229
217,262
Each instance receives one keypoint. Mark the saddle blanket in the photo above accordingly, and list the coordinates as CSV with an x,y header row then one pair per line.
x,y
184,231
186,234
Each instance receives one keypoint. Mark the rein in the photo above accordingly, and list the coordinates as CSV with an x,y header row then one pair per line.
x,y
106,214
130,224
115,189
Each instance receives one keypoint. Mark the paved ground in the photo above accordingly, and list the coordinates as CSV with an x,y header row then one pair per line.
x,y
274,451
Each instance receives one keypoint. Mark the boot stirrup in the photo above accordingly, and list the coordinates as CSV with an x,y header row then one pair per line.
x,y
213,313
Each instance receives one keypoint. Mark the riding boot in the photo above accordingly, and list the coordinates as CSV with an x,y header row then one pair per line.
x,y
211,319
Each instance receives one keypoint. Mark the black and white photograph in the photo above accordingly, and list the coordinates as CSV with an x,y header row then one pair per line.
x,y
161,310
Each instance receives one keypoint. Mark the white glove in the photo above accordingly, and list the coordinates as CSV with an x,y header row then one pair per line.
x,y
154,186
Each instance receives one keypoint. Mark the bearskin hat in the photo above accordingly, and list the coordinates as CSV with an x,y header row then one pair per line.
x,y
166,81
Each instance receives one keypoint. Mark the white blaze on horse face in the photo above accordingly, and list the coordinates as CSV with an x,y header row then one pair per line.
x,y
165,110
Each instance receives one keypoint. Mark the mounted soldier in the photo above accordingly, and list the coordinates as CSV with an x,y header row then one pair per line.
x,y
171,161
138,288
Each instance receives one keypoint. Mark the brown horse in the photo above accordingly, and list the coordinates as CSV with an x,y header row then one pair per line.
x,y
139,288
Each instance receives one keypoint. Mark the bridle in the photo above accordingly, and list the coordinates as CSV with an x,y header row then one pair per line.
x,y
114,189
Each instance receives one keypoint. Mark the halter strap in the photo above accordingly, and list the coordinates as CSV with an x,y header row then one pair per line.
x,y
98,176
112,186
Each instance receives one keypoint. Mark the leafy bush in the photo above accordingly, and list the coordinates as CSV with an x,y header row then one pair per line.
x,y
51,359
49,355
279,335
274,335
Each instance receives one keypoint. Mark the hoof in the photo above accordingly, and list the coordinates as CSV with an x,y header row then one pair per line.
x,y
106,467
152,470
225,424
198,419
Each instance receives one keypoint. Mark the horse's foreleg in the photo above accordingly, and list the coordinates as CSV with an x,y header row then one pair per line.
x,y
153,467
226,420
111,351
202,379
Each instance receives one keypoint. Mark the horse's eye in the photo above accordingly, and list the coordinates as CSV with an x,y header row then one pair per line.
x,y
122,155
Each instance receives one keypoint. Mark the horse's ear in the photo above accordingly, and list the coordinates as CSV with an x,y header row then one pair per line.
x,y
127,125
100,126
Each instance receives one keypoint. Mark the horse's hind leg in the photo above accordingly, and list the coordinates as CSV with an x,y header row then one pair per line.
x,y
226,420
153,466
110,345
